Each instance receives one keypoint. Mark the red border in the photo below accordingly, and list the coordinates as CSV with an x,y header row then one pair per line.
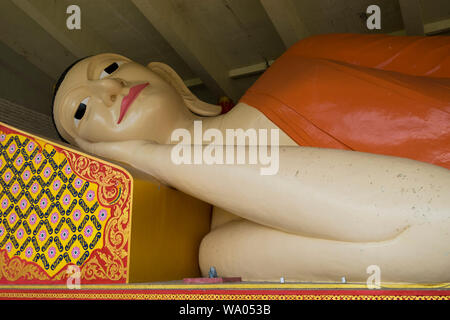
x,y
232,293
66,151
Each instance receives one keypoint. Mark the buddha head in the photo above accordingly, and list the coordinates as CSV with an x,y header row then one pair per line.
x,y
108,97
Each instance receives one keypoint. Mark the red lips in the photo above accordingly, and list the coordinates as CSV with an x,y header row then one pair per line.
x,y
129,98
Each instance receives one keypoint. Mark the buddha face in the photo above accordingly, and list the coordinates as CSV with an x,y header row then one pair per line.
x,y
108,97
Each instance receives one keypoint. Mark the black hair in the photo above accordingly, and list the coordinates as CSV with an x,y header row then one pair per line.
x,y
55,90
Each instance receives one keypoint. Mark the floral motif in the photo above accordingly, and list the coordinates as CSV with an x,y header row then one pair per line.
x,y
19,161
102,265
66,199
35,187
5,203
30,146
47,172
54,217
23,204
109,258
88,230
43,203
32,219
102,215
42,235
12,218
51,252
56,184
29,252
76,215
26,175
12,148
78,183
64,234
15,188
38,159
20,233
90,195
16,268
75,252
7,176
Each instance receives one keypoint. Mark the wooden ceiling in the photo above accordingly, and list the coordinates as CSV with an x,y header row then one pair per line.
x,y
219,47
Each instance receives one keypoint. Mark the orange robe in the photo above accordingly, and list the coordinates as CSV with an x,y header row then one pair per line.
x,y
372,93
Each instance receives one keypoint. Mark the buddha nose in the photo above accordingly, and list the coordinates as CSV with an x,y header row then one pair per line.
x,y
109,89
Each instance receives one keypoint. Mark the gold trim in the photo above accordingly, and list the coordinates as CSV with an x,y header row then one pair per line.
x,y
236,286
67,147
116,233
143,296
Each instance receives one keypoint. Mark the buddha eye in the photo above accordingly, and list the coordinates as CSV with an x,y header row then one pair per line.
x,y
110,69
81,110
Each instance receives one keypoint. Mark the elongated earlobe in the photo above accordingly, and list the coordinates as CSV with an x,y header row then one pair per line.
x,y
192,102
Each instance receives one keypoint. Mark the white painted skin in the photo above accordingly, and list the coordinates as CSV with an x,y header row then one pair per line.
x,y
325,215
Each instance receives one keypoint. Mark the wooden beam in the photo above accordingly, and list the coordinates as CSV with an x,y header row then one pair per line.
x,y
52,18
430,28
262,40
236,73
23,83
185,37
29,40
411,11
437,26
193,82
286,21
249,70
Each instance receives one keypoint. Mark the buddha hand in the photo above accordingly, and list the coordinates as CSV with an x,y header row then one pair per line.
x,y
122,151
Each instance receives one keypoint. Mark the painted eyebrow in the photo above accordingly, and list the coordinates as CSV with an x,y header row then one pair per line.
x,y
90,70
71,90
93,64
66,107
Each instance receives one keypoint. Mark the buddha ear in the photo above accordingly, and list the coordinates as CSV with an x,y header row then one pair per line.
x,y
192,102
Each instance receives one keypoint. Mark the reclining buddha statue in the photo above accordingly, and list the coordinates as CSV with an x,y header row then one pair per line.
x,y
364,155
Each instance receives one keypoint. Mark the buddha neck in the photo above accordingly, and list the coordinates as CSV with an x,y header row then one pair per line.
x,y
242,116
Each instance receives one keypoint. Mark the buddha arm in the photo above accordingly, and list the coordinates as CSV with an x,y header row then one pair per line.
x,y
323,193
